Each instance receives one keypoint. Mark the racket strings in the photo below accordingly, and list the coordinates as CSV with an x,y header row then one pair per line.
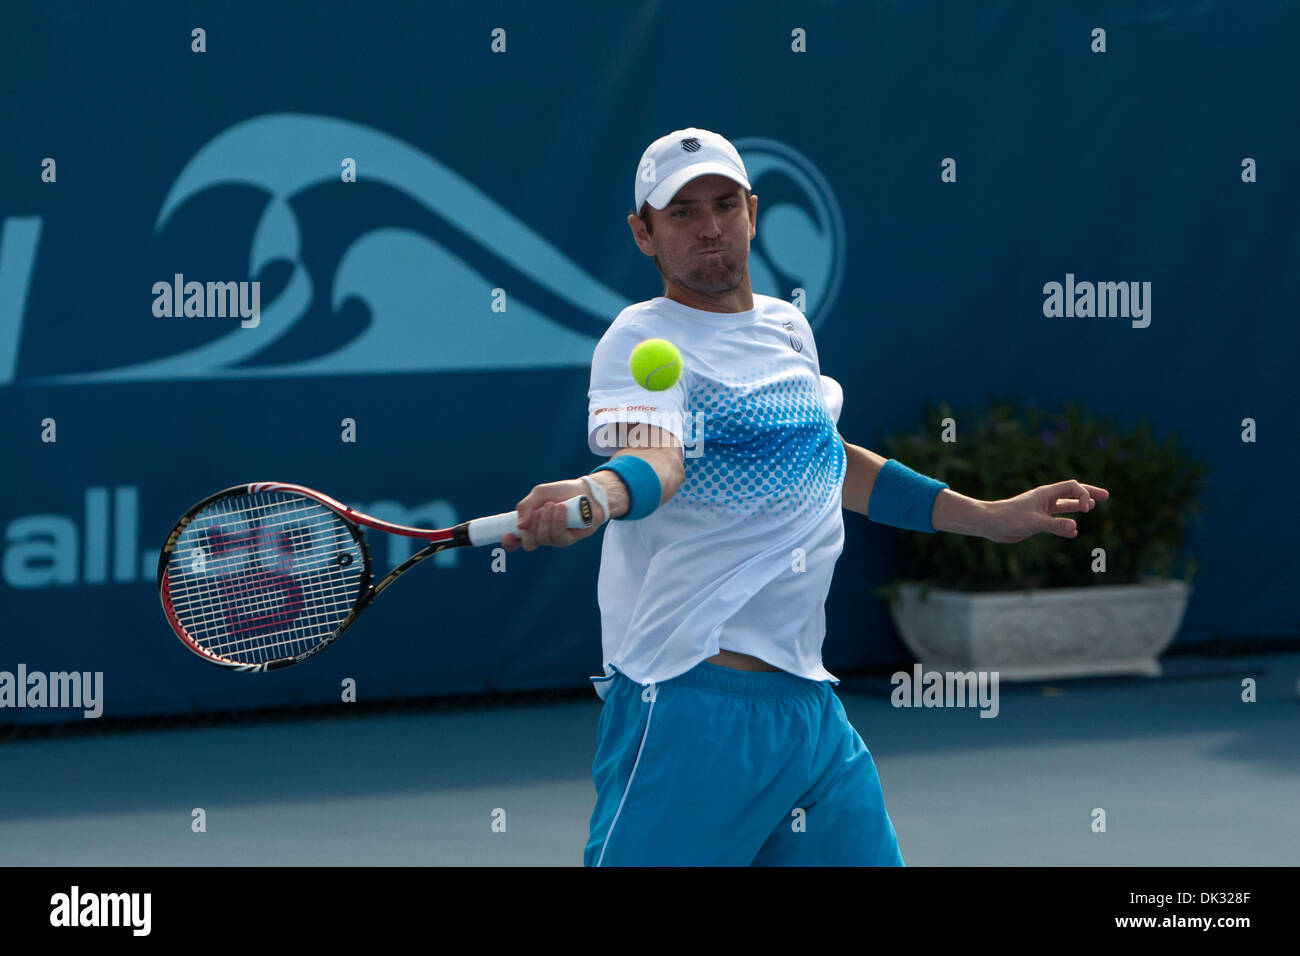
x,y
251,609
254,578
247,607
255,596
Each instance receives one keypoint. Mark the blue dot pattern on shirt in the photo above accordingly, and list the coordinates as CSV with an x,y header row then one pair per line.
x,y
769,445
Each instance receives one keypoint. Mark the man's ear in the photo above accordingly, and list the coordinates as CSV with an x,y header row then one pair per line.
x,y
753,215
640,235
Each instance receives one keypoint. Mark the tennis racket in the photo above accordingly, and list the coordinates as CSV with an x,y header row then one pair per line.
x,y
265,575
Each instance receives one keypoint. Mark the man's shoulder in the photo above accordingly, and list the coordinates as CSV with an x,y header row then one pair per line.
x,y
778,308
638,315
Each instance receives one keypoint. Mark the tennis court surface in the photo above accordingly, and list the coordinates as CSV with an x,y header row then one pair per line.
x,y
1187,773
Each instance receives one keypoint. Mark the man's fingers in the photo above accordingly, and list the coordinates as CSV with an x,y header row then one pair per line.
x,y
526,507
1063,527
528,538
557,535
1073,495
1070,488
1072,504
1079,495
531,533
538,529
543,517
538,532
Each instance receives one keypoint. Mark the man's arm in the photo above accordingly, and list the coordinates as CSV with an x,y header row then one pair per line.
x,y
1006,521
661,450
952,512
541,512
859,476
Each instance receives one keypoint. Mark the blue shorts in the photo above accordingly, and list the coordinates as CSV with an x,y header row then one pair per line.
x,y
720,767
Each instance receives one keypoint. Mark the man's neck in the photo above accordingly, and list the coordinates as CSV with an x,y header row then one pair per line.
x,y
739,299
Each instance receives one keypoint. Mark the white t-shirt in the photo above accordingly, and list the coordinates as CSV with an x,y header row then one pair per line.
x,y
741,557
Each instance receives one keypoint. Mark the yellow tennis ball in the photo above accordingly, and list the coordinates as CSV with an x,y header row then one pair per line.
x,y
656,364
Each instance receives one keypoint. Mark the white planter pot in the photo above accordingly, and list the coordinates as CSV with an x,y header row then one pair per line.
x,y
1050,633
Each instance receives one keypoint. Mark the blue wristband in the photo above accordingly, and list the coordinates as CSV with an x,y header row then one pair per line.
x,y
903,498
643,488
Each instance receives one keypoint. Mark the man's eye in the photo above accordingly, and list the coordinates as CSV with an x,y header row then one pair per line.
x,y
680,213
728,205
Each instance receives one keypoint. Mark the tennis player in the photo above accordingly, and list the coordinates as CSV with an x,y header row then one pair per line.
x,y
721,740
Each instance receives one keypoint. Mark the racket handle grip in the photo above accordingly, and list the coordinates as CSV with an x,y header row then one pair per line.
x,y
492,529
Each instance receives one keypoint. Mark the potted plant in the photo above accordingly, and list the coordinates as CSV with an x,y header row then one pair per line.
x,y
1107,602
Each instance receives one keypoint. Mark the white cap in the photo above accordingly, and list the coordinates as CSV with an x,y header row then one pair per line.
x,y
672,161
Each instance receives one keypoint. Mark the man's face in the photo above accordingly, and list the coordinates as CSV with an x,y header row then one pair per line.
x,y
701,238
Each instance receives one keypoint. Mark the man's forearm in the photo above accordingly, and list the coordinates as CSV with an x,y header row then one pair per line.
x,y
859,477
959,514
615,490
667,469
952,511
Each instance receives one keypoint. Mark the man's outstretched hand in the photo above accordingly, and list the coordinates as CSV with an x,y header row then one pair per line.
x,y
1015,519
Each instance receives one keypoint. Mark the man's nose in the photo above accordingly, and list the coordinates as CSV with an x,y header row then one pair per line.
x,y
710,225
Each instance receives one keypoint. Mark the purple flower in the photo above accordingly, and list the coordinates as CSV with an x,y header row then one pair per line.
x,y
1123,456
1101,443
1049,438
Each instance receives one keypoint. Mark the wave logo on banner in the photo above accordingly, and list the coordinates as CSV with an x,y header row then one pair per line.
x,y
429,308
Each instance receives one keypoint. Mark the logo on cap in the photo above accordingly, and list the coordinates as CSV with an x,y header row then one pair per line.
x,y
691,144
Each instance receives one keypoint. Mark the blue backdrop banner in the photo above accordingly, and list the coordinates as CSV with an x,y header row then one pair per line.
x,y
369,249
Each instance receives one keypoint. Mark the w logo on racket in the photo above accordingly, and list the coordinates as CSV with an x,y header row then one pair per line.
x,y
257,589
